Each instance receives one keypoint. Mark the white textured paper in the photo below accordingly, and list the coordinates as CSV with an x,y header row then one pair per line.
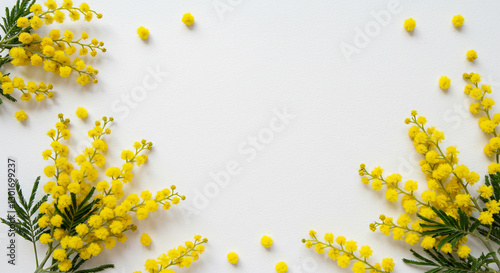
x,y
274,71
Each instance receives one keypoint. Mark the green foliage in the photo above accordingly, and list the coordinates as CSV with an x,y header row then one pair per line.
x,y
9,25
450,230
7,96
494,235
95,269
26,225
441,262
76,214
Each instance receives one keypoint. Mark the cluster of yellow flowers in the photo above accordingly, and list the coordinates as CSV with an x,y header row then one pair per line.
x,y
28,90
54,51
347,251
182,256
85,216
447,189
447,183
489,121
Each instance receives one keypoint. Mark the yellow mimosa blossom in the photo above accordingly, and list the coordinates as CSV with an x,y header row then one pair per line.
x,y
232,257
188,19
444,82
471,55
281,267
145,239
143,32
410,24
266,241
458,20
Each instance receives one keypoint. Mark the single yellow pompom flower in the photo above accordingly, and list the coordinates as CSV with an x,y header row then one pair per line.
x,y
388,264
22,22
444,82
65,71
410,24
463,251
20,115
145,239
188,19
266,241
45,238
471,55
81,112
143,33
458,20
232,258
281,267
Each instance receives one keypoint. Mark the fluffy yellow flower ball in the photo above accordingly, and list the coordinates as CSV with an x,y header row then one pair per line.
x,y
281,267
410,24
145,239
444,82
463,251
232,258
471,55
458,20
266,241
143,32
20,115
388,264
188,19
81,112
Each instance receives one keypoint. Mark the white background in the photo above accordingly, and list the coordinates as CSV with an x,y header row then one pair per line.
x,y
222,80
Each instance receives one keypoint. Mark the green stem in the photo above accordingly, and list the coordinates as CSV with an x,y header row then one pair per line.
x,y
487,243
36,253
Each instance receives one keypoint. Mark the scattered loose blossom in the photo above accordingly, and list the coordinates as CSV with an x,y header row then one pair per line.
x,y
444,82
143,33
232,257
410,24
471,55
188,19
458,20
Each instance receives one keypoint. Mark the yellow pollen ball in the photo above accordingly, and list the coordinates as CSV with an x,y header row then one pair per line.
x,y
232,257
188,19
81,112
410,24
143,32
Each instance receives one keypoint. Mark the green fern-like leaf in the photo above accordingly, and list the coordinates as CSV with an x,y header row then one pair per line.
x,y
440,262
76,214
27,214
96,269
492,180
450,230
9,25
